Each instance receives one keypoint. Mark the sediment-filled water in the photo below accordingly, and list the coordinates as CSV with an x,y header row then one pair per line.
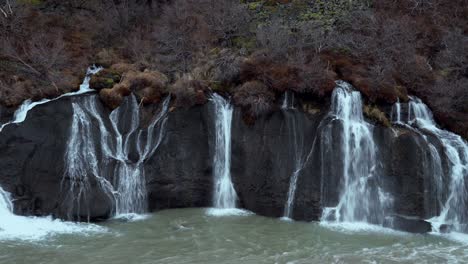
x,y
192,236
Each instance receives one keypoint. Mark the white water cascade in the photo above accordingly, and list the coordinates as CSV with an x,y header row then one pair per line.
x,y
131,185
396,112
14,227
297,149
361,198
107,160
224,195
455,206
288,100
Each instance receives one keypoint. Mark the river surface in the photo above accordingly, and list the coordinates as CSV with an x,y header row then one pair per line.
x,y
195,236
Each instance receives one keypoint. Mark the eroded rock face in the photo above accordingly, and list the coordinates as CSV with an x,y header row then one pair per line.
x,y
32,163
179,173
5,114
31,159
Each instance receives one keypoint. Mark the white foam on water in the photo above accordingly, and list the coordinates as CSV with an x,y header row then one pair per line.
x,y
131,217
359,227
14,227
402,252
458,237
227,212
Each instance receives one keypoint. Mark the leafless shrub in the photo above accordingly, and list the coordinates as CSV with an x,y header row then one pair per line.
x,y
189,92
254,97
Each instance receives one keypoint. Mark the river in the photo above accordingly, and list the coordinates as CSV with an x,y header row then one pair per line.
x,y
193,236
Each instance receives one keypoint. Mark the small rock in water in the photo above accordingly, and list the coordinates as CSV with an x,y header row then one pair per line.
x,y
408,224
445,228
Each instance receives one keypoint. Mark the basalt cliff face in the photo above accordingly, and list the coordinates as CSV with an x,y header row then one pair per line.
x,y
179,173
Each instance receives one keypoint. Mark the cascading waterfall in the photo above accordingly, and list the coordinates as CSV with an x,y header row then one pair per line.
x,y
297,148
361,198
128,189
131,185
432,161
454,208
81,157
224,195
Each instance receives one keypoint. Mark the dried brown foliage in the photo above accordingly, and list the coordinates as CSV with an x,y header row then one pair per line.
x,y
255,98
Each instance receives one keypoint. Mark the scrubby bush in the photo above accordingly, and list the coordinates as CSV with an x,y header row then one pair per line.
x,y
254,97
188,92
112,98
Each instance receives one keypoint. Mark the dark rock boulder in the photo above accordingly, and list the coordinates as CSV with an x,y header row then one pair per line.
x,y
408,224
408,173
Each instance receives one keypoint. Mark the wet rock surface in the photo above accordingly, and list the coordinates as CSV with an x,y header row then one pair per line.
x,y
179,173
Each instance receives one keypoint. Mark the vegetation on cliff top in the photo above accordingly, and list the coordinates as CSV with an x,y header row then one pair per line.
x,y
252,50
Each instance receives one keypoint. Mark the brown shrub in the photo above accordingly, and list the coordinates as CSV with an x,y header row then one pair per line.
x,y
106,78
277,76
123,67
311,77
376,115
189,92
255,98
122,89
149,86
111,98
106,57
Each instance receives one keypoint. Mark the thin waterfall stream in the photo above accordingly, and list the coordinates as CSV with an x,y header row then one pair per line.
x,y
296,143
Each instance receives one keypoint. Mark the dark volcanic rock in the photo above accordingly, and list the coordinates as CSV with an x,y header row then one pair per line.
x,y
263,162
32,163
408,173
6,114
180,172
408,224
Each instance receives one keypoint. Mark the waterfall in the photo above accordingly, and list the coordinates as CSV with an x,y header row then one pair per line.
x,y
224,195
454,208
115,142
131,185
396,112
21,113
14,227
361,198
288,100
81,157
296,138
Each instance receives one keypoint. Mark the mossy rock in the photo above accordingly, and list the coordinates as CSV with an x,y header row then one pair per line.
x,y
104,79
376,115
402,93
